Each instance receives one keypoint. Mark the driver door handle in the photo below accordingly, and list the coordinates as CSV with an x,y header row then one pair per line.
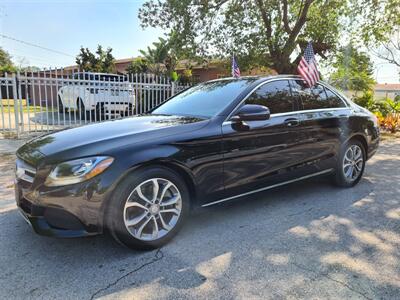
x,y
292,122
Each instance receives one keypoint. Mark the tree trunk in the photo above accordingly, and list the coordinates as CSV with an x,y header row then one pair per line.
x,y
282,64
284,67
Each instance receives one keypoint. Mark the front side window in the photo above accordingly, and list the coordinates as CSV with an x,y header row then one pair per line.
x,y
275,95
316,97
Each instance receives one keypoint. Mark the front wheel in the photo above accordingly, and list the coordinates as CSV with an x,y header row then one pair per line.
x,y
351,164
148,208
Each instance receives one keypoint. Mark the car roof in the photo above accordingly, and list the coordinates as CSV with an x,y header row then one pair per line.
x,y
258,77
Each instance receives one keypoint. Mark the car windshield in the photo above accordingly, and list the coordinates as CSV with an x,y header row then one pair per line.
x,y
205,100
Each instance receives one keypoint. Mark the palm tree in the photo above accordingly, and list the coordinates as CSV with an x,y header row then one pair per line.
x,y
160,57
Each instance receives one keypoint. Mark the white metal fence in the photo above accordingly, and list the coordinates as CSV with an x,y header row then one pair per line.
x,y
37,102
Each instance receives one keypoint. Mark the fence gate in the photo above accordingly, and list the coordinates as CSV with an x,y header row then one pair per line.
x,y
39,102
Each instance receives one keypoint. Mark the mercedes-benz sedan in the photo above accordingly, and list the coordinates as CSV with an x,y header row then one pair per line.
x,y
139,177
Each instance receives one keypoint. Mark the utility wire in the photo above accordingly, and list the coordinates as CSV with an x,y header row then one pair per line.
x,y
34,45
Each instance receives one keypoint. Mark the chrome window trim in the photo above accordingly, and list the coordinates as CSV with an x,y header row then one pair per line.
x,y
298,112
269,187
291,112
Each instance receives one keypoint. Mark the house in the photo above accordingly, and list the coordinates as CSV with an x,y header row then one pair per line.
x,y
214,69
387,90
43,92
381,90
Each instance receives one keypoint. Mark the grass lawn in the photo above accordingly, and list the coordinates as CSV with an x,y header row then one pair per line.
x,y
7,105
25,109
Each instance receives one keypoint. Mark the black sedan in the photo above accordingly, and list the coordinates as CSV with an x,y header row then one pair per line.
x,y
139,177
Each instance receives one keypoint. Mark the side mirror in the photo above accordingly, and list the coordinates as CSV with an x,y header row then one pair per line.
x,y
251,112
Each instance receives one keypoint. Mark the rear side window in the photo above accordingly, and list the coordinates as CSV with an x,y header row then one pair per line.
x,y
275,95
333,99
316,97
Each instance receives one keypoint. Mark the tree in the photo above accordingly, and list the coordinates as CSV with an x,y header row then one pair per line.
x,y
6,64
101,61
266,32
138,65
389,49
353,70
161,58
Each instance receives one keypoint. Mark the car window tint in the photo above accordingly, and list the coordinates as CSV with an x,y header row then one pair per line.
x,y
275,95
311,98
315,97
205,99
333,100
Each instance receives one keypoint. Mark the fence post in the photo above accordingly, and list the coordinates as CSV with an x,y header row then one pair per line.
x,y
15,96
20,104
172,88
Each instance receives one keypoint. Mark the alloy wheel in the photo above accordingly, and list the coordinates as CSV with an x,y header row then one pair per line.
x,y
353,161
152,209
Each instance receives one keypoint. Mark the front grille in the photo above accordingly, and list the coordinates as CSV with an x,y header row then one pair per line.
x,y
25,171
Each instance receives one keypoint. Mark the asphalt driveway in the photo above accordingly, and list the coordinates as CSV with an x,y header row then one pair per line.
x,y
307,240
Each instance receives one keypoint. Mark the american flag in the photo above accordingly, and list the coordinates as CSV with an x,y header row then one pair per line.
x,y
235,68
308,66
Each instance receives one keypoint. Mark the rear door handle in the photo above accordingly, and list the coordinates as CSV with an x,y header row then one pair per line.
x,y
291,122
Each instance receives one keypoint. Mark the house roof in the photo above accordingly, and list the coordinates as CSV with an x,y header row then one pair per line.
x,y
125,60
387,87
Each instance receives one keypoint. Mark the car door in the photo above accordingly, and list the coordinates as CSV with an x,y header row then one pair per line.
x,y
323,122
267,151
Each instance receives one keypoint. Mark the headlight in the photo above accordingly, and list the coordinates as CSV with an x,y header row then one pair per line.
x,y
78,170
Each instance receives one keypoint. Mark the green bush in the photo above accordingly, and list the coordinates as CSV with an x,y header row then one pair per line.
x,y
174,76
366,100
393,105
383,107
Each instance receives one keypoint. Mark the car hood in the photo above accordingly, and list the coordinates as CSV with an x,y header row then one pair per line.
x,y
102,137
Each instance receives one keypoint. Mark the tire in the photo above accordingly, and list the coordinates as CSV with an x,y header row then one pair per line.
x,y
61,108
349,170
132,221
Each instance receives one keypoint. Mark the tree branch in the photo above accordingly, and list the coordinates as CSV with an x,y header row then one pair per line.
x,y
389,56
285,17
301,20
217,6
267,23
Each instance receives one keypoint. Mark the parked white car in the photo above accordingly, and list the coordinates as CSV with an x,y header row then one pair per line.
x,y
97,93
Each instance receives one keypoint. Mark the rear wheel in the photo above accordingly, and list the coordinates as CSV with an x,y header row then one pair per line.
x,y
351,164
148,208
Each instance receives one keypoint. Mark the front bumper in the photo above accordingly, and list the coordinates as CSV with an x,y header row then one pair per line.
x,y
55,216
35,217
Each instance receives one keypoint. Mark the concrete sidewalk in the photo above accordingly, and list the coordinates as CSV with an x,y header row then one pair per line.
x,y
9,146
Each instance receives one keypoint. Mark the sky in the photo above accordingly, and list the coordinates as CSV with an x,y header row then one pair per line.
x,y
66,25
